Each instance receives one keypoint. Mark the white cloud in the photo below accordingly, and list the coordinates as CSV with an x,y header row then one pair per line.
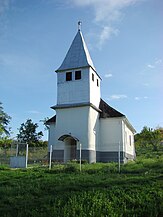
x,y
140,98
106,33
106,12
35,112
109,75
150,66
155,64
158,61
137,98
117,96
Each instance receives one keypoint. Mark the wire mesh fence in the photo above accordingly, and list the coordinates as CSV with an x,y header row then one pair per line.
x,y
36,155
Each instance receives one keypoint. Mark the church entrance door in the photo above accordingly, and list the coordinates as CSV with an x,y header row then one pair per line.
x,y
73,149
70,149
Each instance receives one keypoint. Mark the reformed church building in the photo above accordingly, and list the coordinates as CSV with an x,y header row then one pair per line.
x,y
84,120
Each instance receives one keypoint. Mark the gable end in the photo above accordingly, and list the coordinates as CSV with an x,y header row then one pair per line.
x,y
107,111
51,120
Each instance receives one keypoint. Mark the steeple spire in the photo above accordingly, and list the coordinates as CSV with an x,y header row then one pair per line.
x,y
78,55
79,25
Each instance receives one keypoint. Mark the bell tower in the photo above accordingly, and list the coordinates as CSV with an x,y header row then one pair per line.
x,y
78,99
77,79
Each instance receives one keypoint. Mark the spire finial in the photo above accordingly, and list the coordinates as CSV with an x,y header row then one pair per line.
x,y
79,25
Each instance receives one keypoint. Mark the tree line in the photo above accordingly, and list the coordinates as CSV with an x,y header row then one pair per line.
x,y
148,138
27,132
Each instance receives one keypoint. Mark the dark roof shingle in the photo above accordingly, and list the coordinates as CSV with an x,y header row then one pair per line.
x,y
108,111
51,120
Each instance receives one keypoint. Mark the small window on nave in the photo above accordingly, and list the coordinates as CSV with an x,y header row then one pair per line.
x,y
93,77
97,82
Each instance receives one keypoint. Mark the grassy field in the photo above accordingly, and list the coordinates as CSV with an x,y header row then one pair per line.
x,y
98,191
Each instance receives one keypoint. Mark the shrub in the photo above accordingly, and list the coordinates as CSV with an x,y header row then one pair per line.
x,y
71,168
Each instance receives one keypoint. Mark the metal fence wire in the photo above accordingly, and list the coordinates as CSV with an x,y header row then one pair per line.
x,y
36,155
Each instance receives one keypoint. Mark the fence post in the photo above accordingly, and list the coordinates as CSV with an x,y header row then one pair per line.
x,y
26,157
17,148
119,158
50,158
80,156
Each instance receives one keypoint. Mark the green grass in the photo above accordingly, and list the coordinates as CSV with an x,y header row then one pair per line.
x,y
98,191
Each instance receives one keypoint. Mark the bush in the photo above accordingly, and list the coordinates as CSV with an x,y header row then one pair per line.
x,y
111,168
71,168
5,142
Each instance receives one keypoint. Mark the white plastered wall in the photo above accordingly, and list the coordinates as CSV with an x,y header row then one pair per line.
x,y
72,121
128,138
93,129
83,90
95,94
51,135
74,91
110,135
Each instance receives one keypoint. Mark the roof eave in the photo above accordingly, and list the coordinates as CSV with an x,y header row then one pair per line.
x,y
129,124
82,67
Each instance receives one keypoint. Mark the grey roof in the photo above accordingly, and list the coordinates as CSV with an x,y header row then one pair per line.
x,y
107,111
77,56
51,120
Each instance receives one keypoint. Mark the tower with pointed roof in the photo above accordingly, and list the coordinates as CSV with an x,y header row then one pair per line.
x,y
75,76
82,118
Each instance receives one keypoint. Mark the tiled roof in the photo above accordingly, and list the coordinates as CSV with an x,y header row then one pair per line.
x,y
77,56
108,111
51,120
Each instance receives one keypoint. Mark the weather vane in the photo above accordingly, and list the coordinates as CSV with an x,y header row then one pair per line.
x,y
79,25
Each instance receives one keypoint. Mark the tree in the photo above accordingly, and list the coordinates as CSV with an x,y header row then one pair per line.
x,y
4,122
27,133
46,127
149,137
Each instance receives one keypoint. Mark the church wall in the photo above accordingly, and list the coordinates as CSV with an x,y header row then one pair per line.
x,y
72,121
128,142
74,91
110,135
93,128
93,131
94,88
51,135
52,139
76,121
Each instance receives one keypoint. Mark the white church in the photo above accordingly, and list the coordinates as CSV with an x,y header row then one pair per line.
x,y
84,123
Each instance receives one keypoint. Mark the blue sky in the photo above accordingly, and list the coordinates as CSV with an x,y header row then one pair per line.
x,y
124,38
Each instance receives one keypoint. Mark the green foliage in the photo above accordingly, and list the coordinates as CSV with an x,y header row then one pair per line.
x,y
149,138
39,192
27,133
44,121
71,168
5,142
43,143
98,191
4,122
